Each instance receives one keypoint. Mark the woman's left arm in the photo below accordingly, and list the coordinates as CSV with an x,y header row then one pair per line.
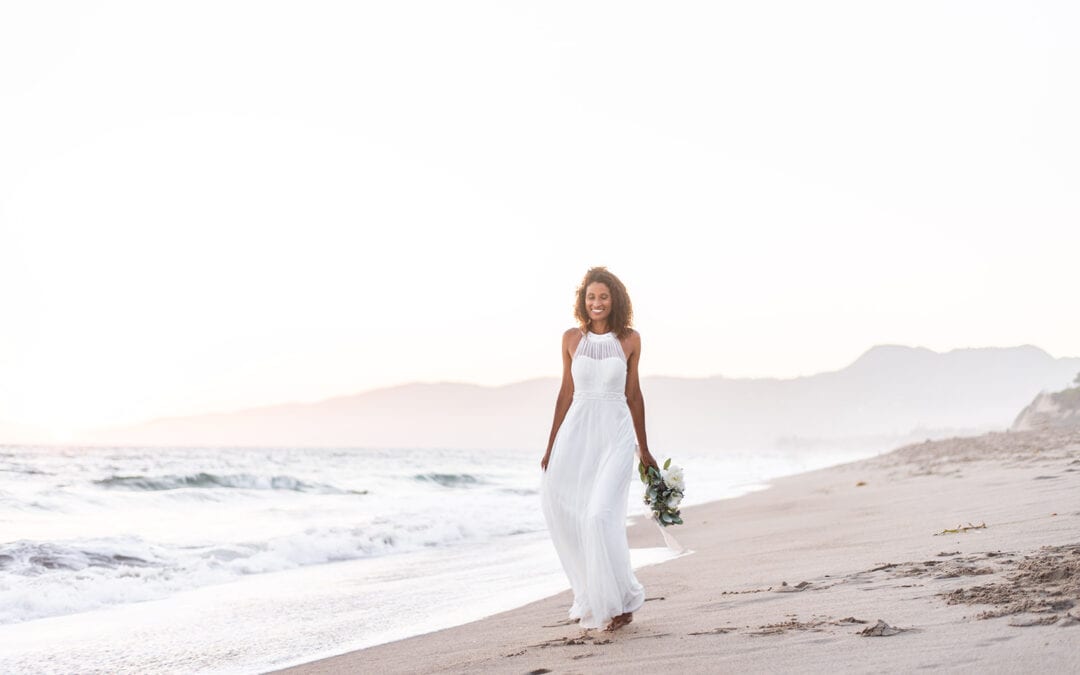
x,y
634,399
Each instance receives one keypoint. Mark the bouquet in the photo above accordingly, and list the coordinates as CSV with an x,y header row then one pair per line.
x,y
663,491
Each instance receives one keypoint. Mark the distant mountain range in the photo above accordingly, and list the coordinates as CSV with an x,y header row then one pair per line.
x,y
889,395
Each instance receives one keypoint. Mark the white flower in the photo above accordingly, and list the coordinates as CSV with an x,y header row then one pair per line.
x,y
673,478
674,500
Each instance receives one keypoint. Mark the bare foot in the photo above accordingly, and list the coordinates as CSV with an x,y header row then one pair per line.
x,y
619,621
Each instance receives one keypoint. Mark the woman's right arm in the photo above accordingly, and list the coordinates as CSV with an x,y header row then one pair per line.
x,y
566,393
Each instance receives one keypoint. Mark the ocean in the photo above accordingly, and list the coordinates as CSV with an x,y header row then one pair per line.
x,y
241,560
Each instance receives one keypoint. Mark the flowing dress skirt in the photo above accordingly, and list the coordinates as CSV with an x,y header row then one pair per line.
x,y
584,494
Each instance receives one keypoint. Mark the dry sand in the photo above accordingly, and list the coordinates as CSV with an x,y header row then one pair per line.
x,y
956,555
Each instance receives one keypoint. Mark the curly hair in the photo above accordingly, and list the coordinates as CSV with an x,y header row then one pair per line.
x,y
621,319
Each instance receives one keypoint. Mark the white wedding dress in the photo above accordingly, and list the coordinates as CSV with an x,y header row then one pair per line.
x,y
584,489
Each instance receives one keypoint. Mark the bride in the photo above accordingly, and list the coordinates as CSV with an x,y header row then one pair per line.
x,y
589,462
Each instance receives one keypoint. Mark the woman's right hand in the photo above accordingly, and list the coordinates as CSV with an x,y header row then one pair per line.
x,y
544,461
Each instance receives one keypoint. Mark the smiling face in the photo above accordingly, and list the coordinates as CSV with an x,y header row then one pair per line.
x,y
601,303
598,301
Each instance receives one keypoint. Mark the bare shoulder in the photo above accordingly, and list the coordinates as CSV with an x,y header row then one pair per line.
x,y
571,336
631,343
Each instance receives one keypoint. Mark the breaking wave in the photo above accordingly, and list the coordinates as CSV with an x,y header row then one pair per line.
x,y
449,479
243,481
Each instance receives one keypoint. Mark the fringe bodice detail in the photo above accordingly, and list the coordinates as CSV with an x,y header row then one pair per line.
x,y
600,347
599,368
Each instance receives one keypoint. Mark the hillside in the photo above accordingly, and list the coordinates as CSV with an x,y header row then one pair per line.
x,y
889,395
1051,410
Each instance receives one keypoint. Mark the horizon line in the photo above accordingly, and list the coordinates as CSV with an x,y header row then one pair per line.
x,y
412,383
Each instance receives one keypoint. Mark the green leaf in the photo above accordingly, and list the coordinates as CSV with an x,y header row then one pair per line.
x,y
677,520
665,518
666,464
641,472
652,472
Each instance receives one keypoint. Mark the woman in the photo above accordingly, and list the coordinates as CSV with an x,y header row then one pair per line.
x,y
590,455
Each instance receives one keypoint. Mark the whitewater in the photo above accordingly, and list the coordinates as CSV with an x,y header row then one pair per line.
x,y
245,559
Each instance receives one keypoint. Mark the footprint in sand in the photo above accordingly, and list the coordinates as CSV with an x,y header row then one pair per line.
x,y
881,629
715,631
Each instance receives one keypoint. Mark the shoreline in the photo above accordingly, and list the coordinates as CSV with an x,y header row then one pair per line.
x,y
650,551
295,590
805,565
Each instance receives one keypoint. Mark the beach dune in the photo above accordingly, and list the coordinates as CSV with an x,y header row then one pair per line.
x,y
960,554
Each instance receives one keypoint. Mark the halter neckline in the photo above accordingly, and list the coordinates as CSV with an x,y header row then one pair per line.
x,y
599,346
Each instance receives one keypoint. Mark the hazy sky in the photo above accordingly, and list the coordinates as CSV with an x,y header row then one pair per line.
x,y
207,206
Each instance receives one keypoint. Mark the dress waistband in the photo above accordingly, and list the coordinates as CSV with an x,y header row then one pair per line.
x,y
600,395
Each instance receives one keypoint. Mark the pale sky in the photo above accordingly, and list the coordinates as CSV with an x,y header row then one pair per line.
x,y
212,205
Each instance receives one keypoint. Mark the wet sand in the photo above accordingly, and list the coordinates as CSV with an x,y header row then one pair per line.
x,y
962,554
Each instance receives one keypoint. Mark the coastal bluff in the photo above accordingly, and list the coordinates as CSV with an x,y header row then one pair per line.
x,y
1051,410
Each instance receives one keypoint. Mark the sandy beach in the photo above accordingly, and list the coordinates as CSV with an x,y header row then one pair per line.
x,y
954,555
